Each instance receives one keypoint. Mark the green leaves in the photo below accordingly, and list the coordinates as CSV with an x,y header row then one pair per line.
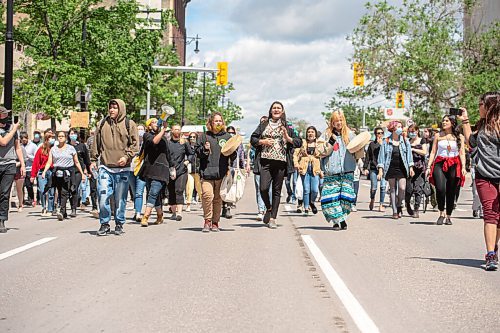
x,y
112,57
419,48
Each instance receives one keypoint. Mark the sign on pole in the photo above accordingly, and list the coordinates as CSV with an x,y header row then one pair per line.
x,y
221,73
79,119
359,74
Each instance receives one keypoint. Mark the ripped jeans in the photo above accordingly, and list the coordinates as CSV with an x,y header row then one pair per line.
x,y
112,184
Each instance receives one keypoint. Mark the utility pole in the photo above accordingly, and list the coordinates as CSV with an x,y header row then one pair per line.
x,y
184,81
9,57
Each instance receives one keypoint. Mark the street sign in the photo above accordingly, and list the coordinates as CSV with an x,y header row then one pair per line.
x,y
395,114
400,100
151,112
222,73
359,74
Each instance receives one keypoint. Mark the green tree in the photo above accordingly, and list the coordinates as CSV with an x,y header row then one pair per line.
x,y
350,100
419,48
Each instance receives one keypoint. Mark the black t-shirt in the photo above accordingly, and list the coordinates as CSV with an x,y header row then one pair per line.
x,y
156,158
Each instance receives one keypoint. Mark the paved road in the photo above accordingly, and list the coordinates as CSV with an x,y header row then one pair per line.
x,y
408,275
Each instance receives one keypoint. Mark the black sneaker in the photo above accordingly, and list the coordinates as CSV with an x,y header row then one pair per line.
x,y
314,210
119,229
103,230
491,263
343,225
228,214
440,220
60,216
267,216
336,226
448,221
475,214
224,212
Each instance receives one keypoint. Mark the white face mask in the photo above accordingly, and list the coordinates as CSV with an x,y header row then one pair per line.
x,y
141,133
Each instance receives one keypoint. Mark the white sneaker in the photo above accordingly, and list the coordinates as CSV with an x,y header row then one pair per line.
x,y
260,217
354,209
188,209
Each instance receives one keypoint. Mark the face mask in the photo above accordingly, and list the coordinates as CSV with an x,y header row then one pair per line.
x,y
37,136
232,134
141,133
52,141
399,131
73,137
412,135
219,128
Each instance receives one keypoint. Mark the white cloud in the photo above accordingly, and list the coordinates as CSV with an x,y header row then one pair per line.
x,y
292,51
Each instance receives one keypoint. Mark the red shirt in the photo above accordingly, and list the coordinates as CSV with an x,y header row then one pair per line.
x,y
39,162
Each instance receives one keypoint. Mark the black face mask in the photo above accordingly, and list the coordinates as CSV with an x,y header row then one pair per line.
x,y
7,120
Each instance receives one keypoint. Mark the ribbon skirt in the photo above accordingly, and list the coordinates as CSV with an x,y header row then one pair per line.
x,y
337,197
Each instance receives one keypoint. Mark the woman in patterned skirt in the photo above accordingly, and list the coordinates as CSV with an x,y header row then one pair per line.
x,y
337,195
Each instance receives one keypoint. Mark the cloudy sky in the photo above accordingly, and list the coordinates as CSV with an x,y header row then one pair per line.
x,y
294,51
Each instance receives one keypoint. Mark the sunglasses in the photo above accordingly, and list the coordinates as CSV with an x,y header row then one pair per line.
x,y
380,133
192,137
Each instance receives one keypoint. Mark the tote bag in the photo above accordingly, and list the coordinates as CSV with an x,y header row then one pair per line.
x,y
233,186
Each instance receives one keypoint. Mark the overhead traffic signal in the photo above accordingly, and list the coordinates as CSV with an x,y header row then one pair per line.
x,y
222,73
359,74
400,100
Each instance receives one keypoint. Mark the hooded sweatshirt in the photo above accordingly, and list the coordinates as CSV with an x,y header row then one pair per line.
x,y
112,141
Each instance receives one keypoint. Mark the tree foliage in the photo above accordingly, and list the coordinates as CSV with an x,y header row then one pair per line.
x,y
350,101
419,48
113,59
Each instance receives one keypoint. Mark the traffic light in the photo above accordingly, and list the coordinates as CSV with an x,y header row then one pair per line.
x,y
400,100
221,74
359,74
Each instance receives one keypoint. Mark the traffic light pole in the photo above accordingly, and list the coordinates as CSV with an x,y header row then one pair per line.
x,y
9,57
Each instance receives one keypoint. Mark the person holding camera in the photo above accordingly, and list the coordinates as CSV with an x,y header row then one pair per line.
x,y
486,143
446,167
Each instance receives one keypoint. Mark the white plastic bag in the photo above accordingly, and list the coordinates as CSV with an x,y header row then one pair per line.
x,y
299,188
233,186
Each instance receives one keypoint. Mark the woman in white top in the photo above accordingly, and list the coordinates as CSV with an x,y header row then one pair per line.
x,y
446,167
64,159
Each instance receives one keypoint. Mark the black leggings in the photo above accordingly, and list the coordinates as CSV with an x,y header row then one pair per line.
x,y
446,187
62,187
176,190
272,171
75,192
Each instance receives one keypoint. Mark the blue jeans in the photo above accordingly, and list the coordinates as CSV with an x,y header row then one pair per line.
x,y
290,182
42,182
137,185
356,190
116,185
155,190
260,202
84,190
310,183
374,183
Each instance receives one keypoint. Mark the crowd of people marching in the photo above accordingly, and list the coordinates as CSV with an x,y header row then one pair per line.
x,y
158,164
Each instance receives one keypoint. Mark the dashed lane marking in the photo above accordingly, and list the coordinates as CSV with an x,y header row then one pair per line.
x,y
25,247
358,314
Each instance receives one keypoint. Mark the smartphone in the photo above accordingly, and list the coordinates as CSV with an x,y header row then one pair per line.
x,y
455,112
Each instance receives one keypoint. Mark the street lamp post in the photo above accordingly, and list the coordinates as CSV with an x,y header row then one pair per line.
x,y
9,56
187,40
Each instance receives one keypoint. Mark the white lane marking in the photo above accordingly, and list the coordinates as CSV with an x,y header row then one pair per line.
x,y
26,247
358,314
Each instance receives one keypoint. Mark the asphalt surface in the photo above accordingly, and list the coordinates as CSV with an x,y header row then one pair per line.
x,y
409,275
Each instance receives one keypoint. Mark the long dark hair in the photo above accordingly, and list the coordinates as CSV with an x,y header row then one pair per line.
x,y
491,123
283,116
315,132
454,129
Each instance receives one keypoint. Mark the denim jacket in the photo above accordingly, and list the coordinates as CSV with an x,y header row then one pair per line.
x,y
385,155
338,161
